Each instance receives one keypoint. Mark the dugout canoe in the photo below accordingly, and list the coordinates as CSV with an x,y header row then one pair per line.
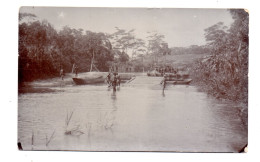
x,y
180,82
98,77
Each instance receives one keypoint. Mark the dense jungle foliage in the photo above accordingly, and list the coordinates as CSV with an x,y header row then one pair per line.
x,y
224,73
43,51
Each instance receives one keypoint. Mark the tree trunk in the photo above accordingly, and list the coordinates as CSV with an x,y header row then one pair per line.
x,y
238,51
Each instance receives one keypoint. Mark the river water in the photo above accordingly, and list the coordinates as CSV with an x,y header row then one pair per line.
x,y
139,116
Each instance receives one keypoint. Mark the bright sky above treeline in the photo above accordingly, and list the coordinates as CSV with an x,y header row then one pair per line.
x,y
181,27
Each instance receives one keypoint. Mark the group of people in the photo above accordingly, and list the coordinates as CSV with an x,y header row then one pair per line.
x,y
113,79
74,70
167,70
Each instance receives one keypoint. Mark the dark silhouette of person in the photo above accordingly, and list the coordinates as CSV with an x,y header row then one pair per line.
x,y
114,82
109,79
61,73
76,70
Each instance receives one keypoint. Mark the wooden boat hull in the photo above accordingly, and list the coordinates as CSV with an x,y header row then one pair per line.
x,y
180,82
125,76
99,77
82,81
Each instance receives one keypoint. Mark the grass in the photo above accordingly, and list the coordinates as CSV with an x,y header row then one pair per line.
x,y
106,121
32,139
74,130
48,140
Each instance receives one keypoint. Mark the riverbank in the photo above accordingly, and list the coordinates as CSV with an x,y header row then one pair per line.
x,y
45,85
241,105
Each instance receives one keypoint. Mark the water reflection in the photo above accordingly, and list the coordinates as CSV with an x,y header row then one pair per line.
x,y
163,93
113,96
137,117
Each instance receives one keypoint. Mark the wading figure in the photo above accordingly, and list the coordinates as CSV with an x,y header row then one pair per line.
x,y
61,73
164,82
118,80
108,79
114,82
76,70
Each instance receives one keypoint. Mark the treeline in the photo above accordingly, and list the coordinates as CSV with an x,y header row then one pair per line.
x,y
224,73
193,49
43,51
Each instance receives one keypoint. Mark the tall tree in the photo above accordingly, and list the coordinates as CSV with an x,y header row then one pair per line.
x,y
36,43
139,47
155,45
226,70
99,47
123,40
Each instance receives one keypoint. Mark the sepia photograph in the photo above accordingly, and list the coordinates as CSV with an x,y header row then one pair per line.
x,y
133,79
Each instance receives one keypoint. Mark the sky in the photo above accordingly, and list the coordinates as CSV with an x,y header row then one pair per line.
x,y
181,27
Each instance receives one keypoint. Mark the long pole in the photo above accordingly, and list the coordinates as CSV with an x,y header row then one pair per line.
x,y
92,61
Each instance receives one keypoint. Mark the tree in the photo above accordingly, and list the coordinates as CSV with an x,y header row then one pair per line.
x,y
123,40
139,48
156,45
225,71
216,36
36,44
99,47
43,50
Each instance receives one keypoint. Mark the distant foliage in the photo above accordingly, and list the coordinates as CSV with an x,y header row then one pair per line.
x,y
224,73
43,51
193,49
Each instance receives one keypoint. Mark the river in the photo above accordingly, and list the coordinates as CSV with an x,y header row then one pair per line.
x,y
139,116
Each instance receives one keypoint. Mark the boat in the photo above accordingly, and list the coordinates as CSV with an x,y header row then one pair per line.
x,y
90,78
99,77
96,77
160,71
179,82
126,77
176,78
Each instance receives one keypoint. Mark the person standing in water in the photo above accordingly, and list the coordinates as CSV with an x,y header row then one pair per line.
x,y
61,73
114,82
108,79
118,80
164,82
76,70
